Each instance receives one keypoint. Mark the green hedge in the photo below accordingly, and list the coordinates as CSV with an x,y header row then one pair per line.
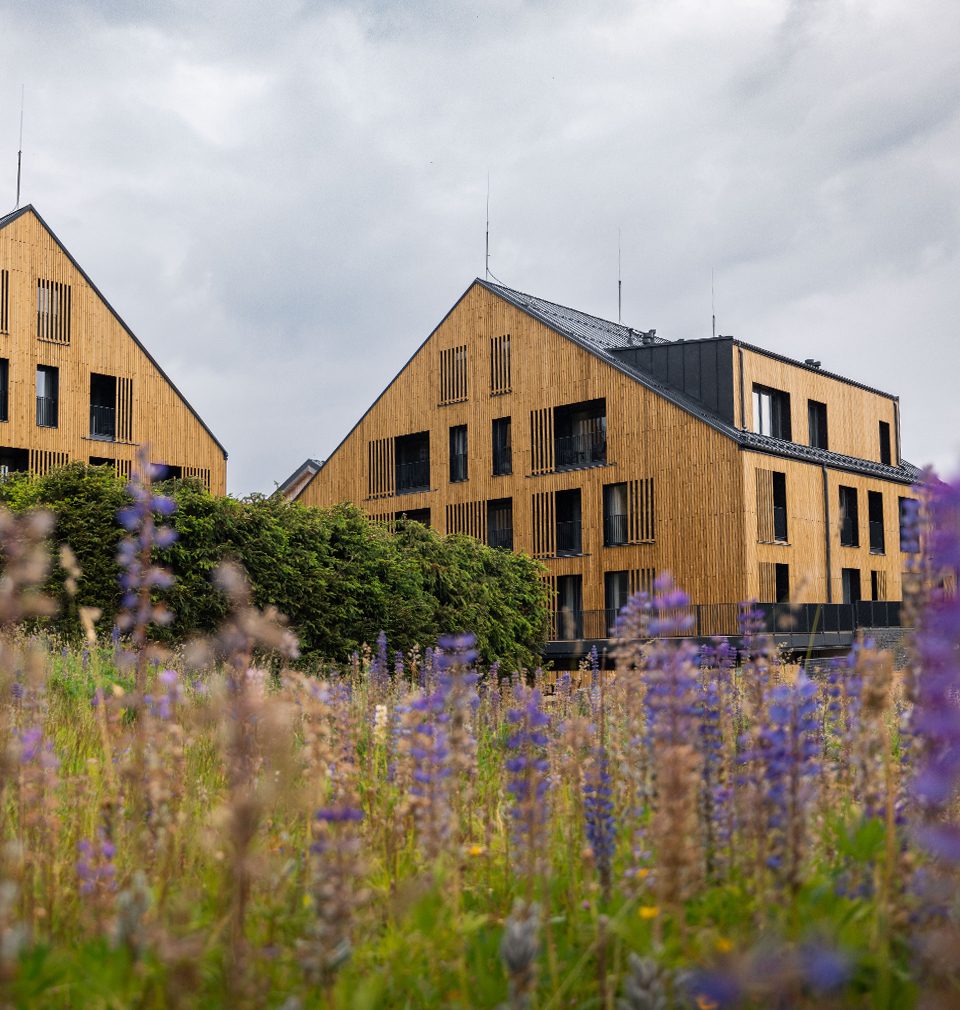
x,y
338,577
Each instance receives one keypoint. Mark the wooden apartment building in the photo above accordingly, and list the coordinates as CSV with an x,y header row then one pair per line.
x,y
612,455
75,383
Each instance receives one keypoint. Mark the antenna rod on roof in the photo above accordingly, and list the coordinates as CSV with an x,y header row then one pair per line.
x,y
20,151
487,261
619,275
713,303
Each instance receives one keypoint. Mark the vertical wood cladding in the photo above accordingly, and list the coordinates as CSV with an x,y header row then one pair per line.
x,y
768,582
765,533
53,317
500,365
200,473
381,468
544,524
469,517
642,518
541,440
44,460
453,374
642,580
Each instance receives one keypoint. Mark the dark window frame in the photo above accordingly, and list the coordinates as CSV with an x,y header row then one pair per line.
x,y
4,389
886,452
818,430
459,450
849,517
501,434
779,412
875,522
48,407
909,537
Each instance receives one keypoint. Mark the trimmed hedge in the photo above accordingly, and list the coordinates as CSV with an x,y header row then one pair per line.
x,y
338,577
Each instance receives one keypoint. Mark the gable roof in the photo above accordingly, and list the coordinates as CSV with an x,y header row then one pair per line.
x,y
603,338
309,465
29,208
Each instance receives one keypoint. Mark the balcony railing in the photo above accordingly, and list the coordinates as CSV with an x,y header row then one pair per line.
x,y
707,620
501,537
569,537
103,422
413,477
614,530
876,537
580,450
502,460
458,467
46,412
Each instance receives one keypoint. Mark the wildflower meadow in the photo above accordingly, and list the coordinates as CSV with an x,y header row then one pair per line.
x,y
214,825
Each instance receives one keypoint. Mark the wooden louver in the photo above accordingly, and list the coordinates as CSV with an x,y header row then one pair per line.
x,y
53,311
500,380
641,511
765,531
4,301
541,440
544,524
381,468
453,374
468,517
42,461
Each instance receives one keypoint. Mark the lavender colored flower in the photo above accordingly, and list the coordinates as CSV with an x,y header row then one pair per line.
x,y
601,825
527,780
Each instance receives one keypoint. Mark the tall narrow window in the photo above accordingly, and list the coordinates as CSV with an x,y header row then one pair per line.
x,y
616,592
615,515
48,396
569,607
53,311
412,462
500,523
885,455
849,517
774,582
103,406
500,379
878,586
771,506
453,374
4,389
908,510
502,447
817,423
569,538
771,412
458,453
875,512
4,301
850,582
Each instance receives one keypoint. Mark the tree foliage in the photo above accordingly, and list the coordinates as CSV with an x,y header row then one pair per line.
x,y
338,577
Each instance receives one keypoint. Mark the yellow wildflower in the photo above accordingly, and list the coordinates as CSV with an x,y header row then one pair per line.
x,y
723,945
649,911
476,850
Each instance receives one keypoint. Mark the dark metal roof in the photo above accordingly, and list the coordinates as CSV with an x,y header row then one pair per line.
x,y
307,466
9,218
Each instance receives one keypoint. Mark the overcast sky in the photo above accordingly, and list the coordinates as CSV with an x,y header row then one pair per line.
x,y
282,199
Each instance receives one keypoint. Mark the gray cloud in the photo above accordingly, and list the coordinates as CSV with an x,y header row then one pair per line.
x,y
283,199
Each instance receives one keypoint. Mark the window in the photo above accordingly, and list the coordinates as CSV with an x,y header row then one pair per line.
x,y
458,453
48,395
53,311
885,443
569,532
909,512
771,412
167,471
849,517
453,374
4,389
615,515
13,460
500,365
500,523
875,516
771,506
616,592
4,301
850,580
817,423
580,434
878,586
569,620
628,512
412,456
103,406
421,516
774,582
502,448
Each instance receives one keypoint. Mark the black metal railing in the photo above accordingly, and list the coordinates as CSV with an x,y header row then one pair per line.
x,y
413,476
46,412
876,537
779,522
706,620
569,537
580,450
501,537
614,530
502,460
458,466
103,421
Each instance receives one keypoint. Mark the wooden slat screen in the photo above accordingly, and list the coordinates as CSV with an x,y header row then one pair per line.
x,y
125,469
200,473
641,511
469,517
500,380
53,311
544,524
880,579
125,413
765,532
541,440
453,374
768,582
381,469
388,520
641,580
4,301
42,461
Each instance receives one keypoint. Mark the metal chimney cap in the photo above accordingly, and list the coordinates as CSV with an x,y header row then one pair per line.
x,y
812,362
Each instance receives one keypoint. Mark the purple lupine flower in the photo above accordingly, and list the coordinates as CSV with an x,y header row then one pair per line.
x,y
94,866
378,665
715,794
527,780
31,744
601,825
936,717
430,790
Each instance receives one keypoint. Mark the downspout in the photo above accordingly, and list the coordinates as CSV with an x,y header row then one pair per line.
x,y
826,532
896,429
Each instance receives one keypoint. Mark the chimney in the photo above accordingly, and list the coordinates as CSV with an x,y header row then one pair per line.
x,y
812,362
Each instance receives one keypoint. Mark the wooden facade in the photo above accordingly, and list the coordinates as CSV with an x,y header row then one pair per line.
x,y
698,492
76,383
